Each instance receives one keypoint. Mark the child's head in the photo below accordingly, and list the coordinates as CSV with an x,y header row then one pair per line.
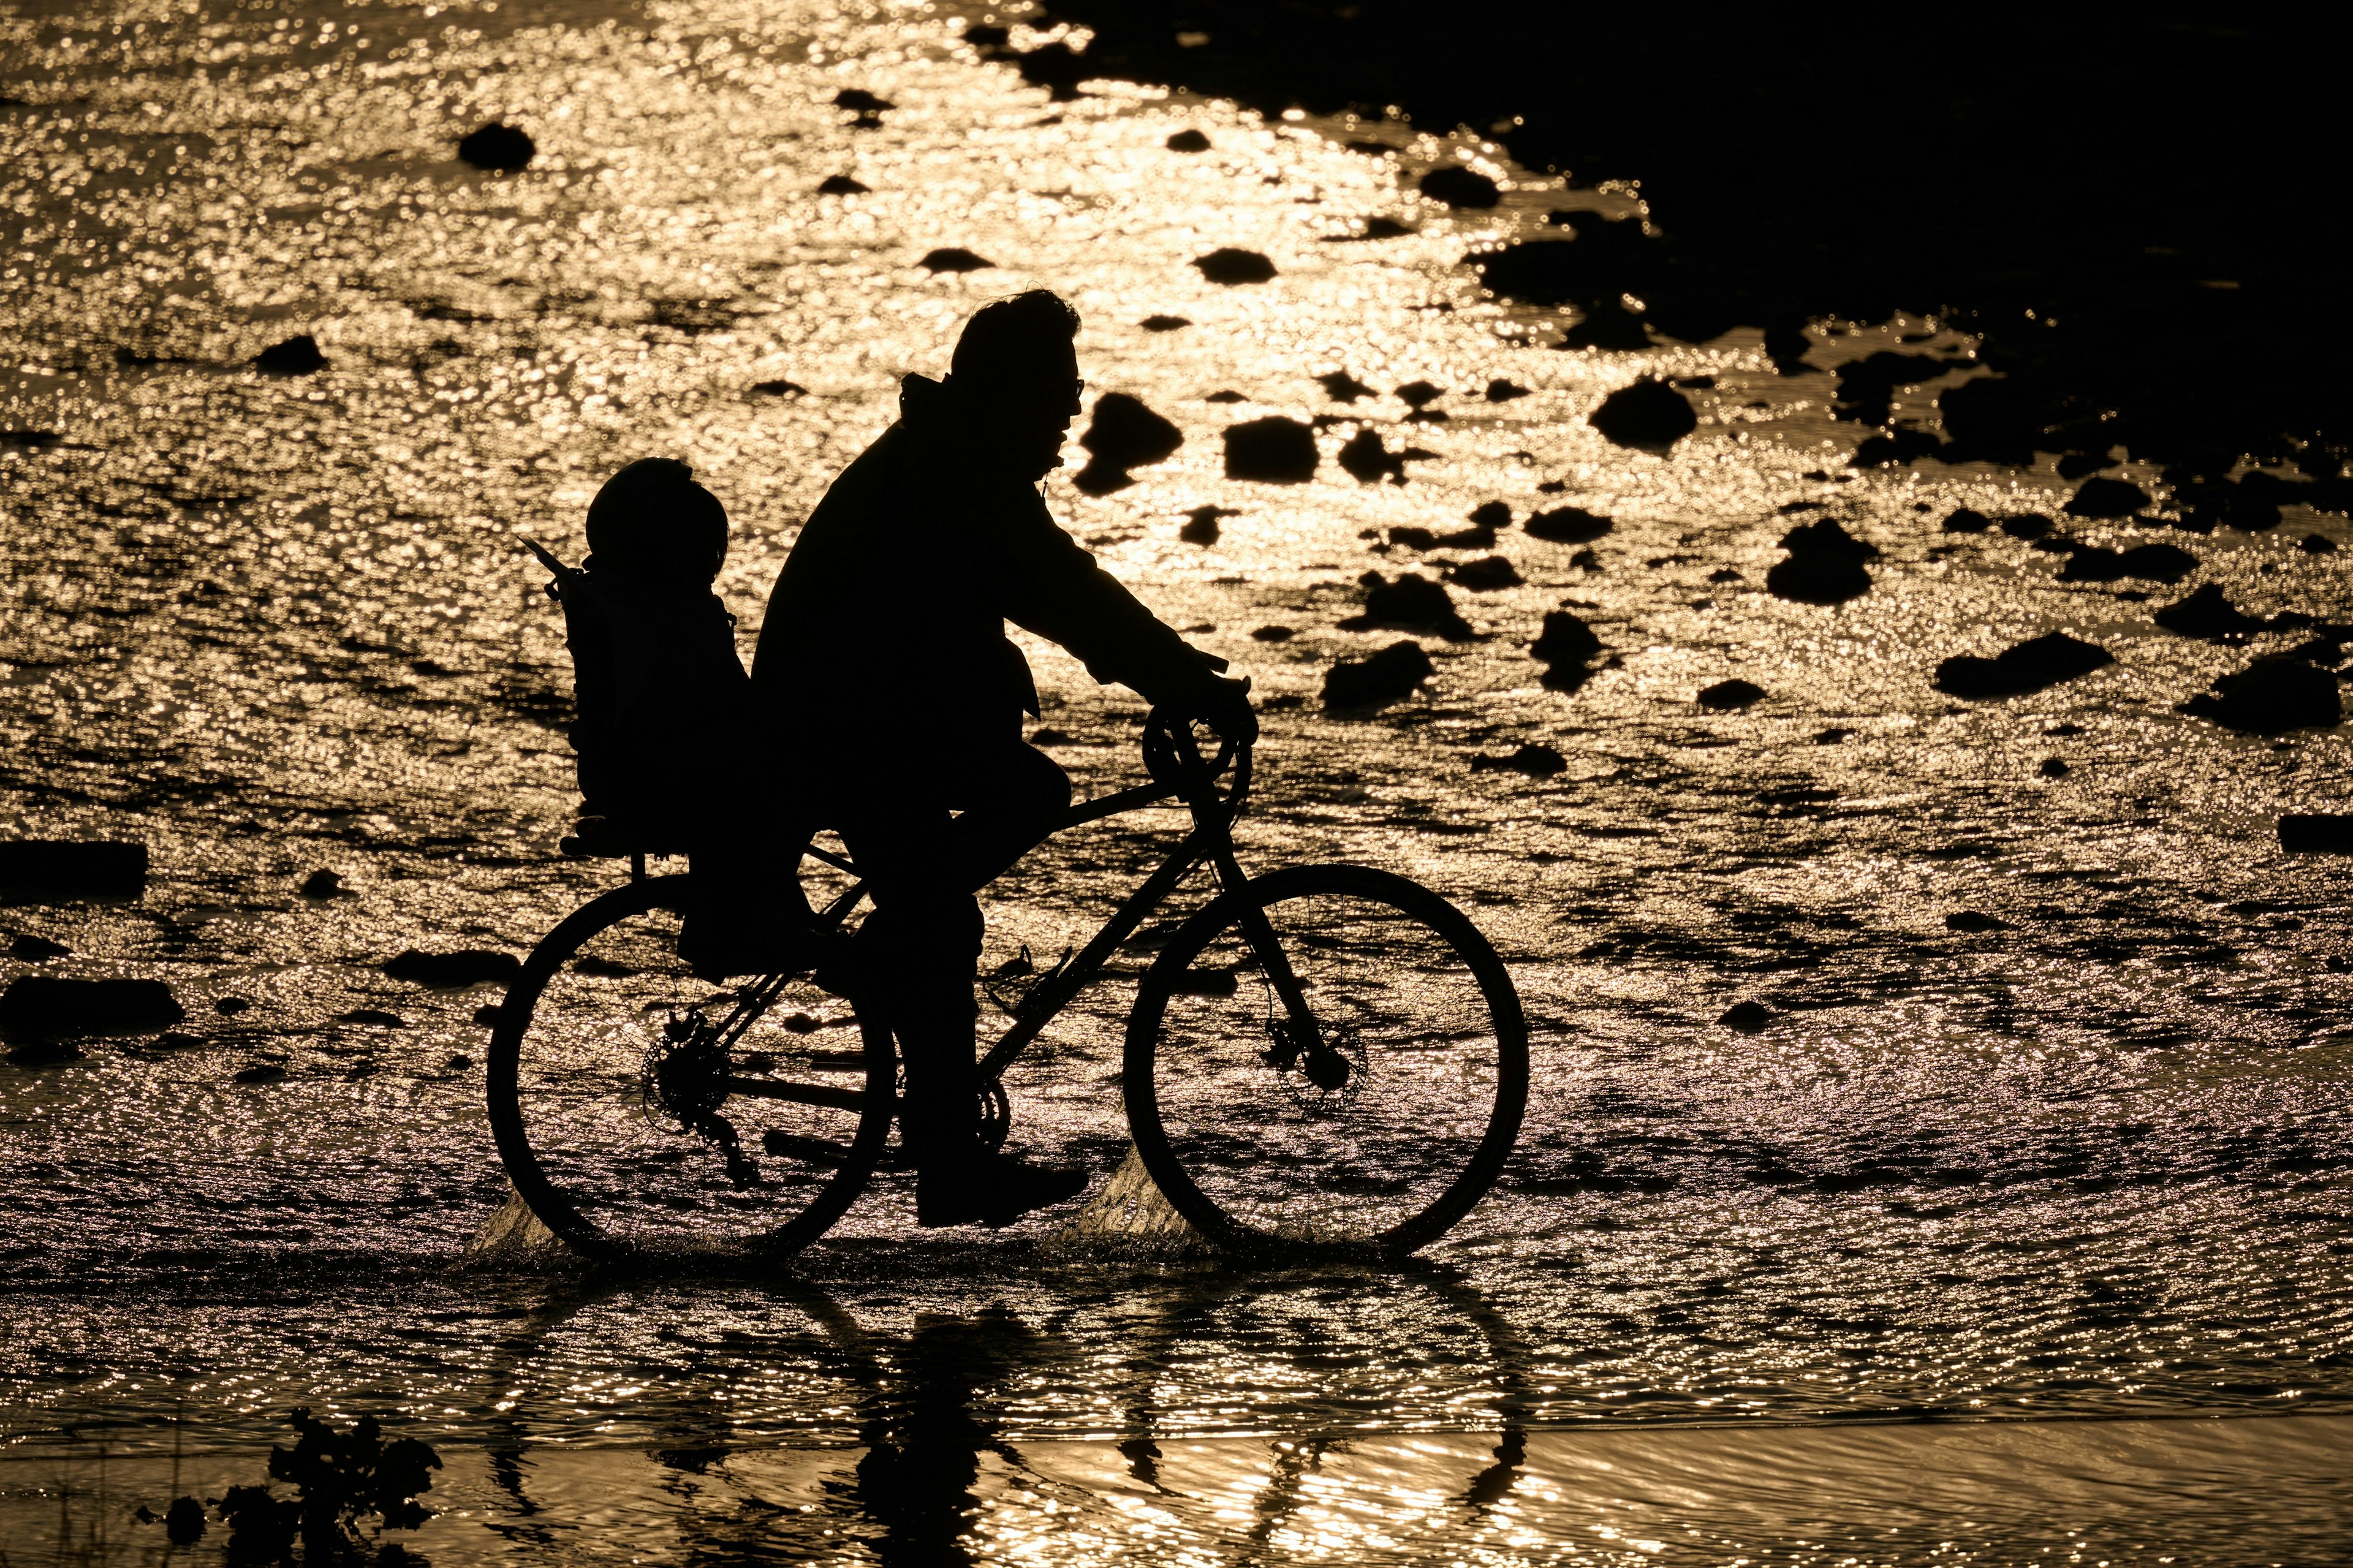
x,y
652,520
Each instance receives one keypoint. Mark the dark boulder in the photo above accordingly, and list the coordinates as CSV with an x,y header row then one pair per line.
x,y
2075,465
1786,344
1274,449
34,870
295,356
1229,266
1460,187
1607,324
1967,519
1500,390
1537,761
841,186
2270,696
1412,536
2030,666
454,971
1825,536
953,259
1902,447
40,1006
1560,271
1485,573
1201,524
1365,456
1165,323
500,148
323,884
1567,525
2317,834
857,100
1746,1017
1389,675
1188,141
26,948
1124,434
1412,603
1974,922
1650,414
231,1006
2054,768
1491,515
1418,395
2107,497
1342,387
1866,387
1731,696
782,386
2026,525
2317,544
1817,580
1565,639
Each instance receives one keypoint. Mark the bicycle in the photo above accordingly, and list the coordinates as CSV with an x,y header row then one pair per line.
x,y
1323,1057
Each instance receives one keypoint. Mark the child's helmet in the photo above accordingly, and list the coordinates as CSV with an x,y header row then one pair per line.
x,y
652,519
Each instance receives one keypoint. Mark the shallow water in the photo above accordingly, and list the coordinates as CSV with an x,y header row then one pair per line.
x,y
2090,1164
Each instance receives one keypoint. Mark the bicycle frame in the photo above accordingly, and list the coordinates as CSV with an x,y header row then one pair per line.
x,y
1193,781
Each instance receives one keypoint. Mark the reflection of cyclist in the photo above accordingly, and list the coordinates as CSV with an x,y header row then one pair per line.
x,y
895,698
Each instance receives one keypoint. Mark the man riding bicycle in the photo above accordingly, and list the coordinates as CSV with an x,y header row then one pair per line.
x,y
885,677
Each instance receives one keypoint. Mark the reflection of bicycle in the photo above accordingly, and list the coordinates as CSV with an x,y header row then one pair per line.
x,y
1325,1055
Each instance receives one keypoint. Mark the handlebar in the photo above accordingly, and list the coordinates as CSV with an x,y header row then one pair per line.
x,y
1172,753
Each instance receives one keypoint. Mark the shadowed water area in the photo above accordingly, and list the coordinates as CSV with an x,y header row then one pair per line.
x,y
2046,1116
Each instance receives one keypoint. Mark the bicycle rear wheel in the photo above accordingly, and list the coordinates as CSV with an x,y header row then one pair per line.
x,y
1375,1130
641,1111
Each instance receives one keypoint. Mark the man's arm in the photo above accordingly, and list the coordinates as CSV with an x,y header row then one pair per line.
x,y
1056,589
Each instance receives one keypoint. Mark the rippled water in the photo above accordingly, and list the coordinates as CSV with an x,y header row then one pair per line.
x,y
2089,1165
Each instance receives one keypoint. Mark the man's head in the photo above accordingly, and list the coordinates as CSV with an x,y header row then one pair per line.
x,y
1016,367
651,520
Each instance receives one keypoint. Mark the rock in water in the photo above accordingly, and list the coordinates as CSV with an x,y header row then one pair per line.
x,y
295,356
1389,675
1818,579
1124,434
1165,323
1274,449
1974,923
1649,415
323,884
1746,1017
500,148
1413,603
841,186
2032,666
1567,525
1230,266
1607,324
2107,497
1537,761
1967,519
1824,565
1486,574
1188,141
1460,187
2158,563
953,259
1367,459
2270,696
30,949
2317,834
454,971
1201,524
37,870
40,1006
2208,613
1731,696
1502,389
1341,387
1565,639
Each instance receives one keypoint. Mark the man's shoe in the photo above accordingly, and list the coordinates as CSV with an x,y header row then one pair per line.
x,y
993,1189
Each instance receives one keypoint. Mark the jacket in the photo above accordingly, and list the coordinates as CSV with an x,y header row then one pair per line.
x,y
884,644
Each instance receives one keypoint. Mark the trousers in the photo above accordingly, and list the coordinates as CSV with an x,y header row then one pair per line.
x,y
927,845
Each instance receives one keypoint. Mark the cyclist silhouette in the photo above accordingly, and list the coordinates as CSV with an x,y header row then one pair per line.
x,y
894,698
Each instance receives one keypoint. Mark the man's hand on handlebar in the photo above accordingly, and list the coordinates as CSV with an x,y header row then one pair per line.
x,y
1225,706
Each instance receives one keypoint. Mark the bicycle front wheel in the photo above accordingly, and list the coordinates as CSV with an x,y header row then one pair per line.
x,y
1374,1121
644,1113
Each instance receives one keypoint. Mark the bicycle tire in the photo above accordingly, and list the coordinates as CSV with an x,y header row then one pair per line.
x,y
1224,1181
564,1188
